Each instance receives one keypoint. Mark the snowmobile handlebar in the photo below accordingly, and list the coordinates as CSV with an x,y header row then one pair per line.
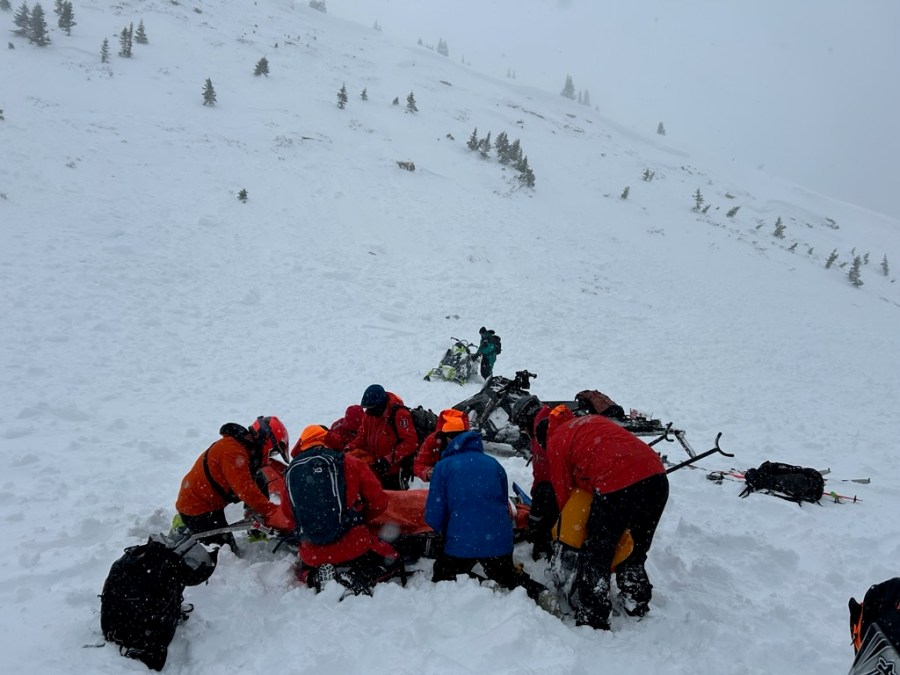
x,y
714,450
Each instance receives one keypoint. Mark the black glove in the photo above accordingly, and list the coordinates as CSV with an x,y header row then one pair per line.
x,y
381,467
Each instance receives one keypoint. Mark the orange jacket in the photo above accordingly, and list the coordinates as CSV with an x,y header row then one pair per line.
x,y
381,438
229,464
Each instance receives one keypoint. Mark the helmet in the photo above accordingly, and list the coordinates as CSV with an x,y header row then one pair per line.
x,y
524,410
452,420
273,434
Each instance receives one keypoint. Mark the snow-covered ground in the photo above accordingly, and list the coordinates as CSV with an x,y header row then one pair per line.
x,y
144,305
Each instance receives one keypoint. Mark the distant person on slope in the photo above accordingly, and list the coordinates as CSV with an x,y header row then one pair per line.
x,y
386,437
630,490
224,474
488,349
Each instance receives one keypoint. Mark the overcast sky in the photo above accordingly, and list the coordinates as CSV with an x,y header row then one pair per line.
x,y
805,89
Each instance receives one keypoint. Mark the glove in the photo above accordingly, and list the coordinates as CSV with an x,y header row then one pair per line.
x,y
381,467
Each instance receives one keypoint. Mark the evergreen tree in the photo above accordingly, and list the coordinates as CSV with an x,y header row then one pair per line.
x,y
58,7
648,175
732,212
442,48
472,143
209,93
660,129
501,145
515,152
242,195
485,146
37,27
22,19
141,35
364,95
832,257
319,5
125,44
66,18
5,6
779,228
104,51
625,192
580,97
377,26
586,100
569,88
3,118
262,67
884,265
342,97
411,103
853,274
698,200
526,175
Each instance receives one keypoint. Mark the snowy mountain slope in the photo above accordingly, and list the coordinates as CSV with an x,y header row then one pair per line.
x,y
146,305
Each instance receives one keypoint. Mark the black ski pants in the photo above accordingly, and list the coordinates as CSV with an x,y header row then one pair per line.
x,y
500,568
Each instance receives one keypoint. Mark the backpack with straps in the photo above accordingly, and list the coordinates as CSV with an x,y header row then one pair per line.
x,y
793,483
496,340
140,605
424,421
317,488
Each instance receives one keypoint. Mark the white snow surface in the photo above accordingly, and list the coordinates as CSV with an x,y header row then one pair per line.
x,y
144,305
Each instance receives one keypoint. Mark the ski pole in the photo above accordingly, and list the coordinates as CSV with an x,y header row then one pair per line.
x,y
714,450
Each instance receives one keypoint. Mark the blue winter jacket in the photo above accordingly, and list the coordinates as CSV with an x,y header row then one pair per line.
x,y
468,501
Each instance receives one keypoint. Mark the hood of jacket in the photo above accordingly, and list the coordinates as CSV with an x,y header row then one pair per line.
x,y
468,441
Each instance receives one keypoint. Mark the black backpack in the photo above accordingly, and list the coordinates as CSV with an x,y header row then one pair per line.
x,y
424,421
317,488
793,483
496,340
140,605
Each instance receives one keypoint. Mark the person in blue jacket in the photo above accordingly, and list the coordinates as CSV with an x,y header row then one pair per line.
x,y
468,503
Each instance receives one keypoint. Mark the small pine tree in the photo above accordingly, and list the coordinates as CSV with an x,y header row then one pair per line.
x,y
732,212
319,5
3,118
660,129
472,143
832,257
125,44
262,67
515,152
364,95
396,101
792,247
66,18
866,258
377,26
411,103
648,175
22,19
485,146
526,175
104,51
209,93
242,195
698,200
779,228
705,208
501,145
342,97
5,6
625,192
568,89
37,27
442,48
885,268
141,35
58,6
854,274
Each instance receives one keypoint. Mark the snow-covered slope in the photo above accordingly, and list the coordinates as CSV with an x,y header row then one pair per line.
x,y
145,305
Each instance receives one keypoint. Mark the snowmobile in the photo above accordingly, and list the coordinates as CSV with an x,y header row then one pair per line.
x,y
459,363
490,413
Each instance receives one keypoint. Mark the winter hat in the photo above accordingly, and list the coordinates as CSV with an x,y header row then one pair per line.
x,y
450,421
311,437
374,396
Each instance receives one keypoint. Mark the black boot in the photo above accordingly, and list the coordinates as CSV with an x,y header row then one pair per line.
x,y
590,596
635,589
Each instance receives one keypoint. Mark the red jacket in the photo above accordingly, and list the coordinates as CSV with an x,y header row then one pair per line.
x,y
426,457
595,453
364,492
381,438
344,430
